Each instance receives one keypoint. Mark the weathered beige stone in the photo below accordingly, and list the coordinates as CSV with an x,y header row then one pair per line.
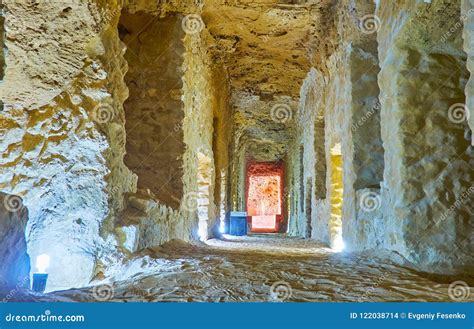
x,y
62,133
428,159
153,114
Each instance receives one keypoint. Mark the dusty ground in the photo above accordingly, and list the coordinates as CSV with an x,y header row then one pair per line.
x,y
246,269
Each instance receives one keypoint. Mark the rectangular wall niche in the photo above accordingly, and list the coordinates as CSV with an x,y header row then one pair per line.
x,y
154,111
264,193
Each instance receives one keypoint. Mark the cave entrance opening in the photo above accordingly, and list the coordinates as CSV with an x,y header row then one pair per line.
x,y
264,196
336,200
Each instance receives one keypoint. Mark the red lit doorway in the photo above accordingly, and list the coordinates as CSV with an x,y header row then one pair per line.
x,y
264,195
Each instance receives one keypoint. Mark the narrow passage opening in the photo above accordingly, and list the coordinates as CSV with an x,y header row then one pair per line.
x,y
264,196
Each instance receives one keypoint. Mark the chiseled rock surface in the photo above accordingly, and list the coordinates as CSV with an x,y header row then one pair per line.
x,y
62,134
15,268
427,191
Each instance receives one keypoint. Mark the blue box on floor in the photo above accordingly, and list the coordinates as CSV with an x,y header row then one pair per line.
x,y
238,223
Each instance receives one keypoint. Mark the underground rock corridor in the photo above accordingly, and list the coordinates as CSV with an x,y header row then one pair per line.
x,y
221,151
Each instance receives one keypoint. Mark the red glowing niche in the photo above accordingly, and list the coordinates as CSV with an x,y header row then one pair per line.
x,y
264,194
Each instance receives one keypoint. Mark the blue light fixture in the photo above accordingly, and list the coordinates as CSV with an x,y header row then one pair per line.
x,y
40,278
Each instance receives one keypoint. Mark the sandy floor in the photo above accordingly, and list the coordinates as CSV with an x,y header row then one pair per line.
x,y
260,268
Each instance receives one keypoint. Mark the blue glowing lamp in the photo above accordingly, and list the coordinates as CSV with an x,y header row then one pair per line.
x,y
40,278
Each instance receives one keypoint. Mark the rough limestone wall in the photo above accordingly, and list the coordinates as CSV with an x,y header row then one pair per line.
x,y
200,104
238,176
363,227
467,16
121,179
203,94
307,113
292,180
310,108
349,115
154,110
334,104
222,134
428,173
296,199
62,135
15,269
154,223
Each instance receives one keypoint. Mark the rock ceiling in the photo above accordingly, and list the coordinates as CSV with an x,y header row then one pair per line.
x,y
267,47
264,50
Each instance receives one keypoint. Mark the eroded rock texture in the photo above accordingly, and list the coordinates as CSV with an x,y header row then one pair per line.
x,y
62,130
402,132
154,110
429,159
15,269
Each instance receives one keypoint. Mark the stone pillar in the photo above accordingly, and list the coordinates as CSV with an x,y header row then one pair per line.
x,y
428,159
363,221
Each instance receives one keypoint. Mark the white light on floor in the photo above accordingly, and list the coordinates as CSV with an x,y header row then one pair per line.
x,y
42,263
202,231
222,227
338,244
